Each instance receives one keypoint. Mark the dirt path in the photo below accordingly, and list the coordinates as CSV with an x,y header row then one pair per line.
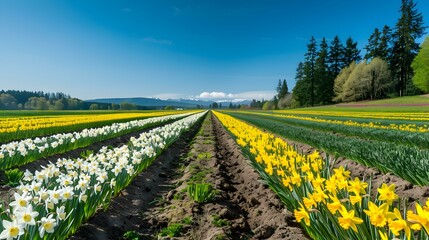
x,y
157,206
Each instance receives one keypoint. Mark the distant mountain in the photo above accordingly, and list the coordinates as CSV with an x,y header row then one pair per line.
x,y
146,102
159,103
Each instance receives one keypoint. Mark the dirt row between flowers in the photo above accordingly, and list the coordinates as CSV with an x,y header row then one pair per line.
x,y
157,205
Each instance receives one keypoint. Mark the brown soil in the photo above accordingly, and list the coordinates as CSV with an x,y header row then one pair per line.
x,y
246,207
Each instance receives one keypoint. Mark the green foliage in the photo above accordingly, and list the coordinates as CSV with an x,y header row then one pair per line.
x,y
219,222
351,52
269,105
362,81
408,28
204,156
131,235
13,176
93,106
420,67
187,220
173,230
201,192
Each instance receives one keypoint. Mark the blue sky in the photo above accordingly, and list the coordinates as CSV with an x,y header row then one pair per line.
x,y
173,48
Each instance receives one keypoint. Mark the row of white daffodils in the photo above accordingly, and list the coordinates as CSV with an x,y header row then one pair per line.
x,y
24,151
53,202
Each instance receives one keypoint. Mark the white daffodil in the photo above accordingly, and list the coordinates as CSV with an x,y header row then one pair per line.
x,y
21,201
47,225
26,215
11,230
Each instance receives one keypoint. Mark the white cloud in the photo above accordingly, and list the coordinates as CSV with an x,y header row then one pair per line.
x,y
212,95
236,97
157,41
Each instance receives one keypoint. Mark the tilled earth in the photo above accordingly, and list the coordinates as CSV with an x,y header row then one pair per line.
x,y
243,208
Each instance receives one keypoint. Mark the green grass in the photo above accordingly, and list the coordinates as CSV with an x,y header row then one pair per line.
x,y
219,222
173,230
374,106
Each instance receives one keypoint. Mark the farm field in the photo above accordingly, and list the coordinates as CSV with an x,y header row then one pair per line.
x,y
16,125
223,174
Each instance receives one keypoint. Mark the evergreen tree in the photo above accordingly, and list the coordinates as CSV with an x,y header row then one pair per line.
x,y
373,46
309,66
351,52
283,89
336,57
408,28
385,44
279,87
300,91
324,83
421,67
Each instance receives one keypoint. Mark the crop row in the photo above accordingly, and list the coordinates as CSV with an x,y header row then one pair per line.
x,y
409,163
53,202
15,128
408,116
397,134
327,202
20,152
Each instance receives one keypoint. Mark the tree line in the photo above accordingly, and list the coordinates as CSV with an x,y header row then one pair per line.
x,y
336,72
38,100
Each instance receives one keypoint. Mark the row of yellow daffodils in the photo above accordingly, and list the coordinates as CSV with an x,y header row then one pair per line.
x,y
15,124
327,203
412,127
411,116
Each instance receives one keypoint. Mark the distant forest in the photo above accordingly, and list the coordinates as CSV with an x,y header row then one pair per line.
x,y
38,100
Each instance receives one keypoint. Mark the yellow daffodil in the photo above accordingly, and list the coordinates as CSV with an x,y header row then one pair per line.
x,y
399,224
357,187
421,218
387,193
348,219
335,205
378,215
301,214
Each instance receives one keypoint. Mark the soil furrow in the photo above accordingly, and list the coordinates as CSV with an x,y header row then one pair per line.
x,y
244,207
124,212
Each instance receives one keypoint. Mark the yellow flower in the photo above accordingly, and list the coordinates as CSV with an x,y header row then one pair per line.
x,y
422,217
348,219
356,199
309,202
399,224
387,193
357,187
296,179
378,215
302,214
335,205
318,181
331,185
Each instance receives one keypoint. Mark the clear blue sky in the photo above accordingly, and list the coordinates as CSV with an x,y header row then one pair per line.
x,y
173,48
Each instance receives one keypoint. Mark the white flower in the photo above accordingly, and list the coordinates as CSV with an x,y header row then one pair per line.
x,y
11,230
21,201
47,225
26,215
61,215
